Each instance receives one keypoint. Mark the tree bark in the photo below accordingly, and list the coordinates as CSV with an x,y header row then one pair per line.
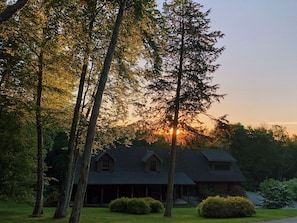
x,y
11,10
38,209
62,208
170,185
85,163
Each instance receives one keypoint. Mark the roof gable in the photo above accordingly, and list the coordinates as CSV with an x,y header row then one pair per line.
x,y
150,154
102,154
217,155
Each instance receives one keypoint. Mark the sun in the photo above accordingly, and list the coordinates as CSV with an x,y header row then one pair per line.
x,y
177,131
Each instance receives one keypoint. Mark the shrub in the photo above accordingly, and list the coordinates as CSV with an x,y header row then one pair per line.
x,y
155,205
220,207
292,186
119,205
240,207
276,194
212,207
138,206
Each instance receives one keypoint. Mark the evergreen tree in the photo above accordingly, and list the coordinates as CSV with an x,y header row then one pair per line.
x,y
184,90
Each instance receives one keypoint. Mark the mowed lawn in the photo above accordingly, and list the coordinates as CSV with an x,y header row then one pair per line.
x,y
21,214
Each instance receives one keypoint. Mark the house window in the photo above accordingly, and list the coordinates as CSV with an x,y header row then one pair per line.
x,y
105,165
153,165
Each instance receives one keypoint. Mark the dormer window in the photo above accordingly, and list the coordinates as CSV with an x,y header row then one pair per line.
x,y
105,163
153,165
152,162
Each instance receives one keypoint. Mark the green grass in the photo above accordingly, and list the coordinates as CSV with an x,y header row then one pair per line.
x,y
21,214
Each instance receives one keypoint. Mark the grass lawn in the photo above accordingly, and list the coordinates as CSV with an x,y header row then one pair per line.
x,y
21,214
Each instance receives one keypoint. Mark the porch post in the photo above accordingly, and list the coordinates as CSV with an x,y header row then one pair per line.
x,y
102,194
132,191
146,190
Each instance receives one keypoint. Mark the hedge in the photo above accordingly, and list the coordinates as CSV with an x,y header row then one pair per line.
x,y
221,207
136,205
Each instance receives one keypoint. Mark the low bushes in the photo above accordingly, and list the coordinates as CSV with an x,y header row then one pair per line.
x,y
220,207
136,205
276,194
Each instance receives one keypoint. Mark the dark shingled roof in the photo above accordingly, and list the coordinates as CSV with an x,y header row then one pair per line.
x,y
217,155
192,166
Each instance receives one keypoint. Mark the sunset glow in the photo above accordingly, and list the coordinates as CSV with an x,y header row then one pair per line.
x,y
177,131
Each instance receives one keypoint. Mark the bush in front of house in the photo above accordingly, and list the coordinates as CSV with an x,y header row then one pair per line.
x,y
155,205
119,205
226,207
240,207
276,194
136,205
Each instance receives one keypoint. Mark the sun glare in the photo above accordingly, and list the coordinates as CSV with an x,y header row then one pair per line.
x,y
177,131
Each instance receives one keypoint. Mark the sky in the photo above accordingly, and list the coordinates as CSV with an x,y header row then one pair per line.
x,y
258,70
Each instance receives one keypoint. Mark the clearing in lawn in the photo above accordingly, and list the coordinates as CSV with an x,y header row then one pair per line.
x,y
21,214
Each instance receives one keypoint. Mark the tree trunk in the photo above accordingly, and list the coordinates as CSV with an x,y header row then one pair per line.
x,y
85,162
11,10
170,185
38,209
63,204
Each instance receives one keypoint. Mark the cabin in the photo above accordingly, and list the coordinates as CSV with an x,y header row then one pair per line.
x,y
143,172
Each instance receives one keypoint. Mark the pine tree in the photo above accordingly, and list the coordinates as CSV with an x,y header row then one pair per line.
x,y
184,90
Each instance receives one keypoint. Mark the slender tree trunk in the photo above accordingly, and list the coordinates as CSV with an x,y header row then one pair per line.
x,y
85,163
11,10
170,185
38,209
62,208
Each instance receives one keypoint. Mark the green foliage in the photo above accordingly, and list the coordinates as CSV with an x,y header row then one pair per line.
x,y
292,186
136,205
220,207
17,163
276,194
119,205
155,205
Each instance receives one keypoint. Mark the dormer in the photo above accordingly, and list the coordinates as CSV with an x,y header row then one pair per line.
x,y
152,162
218,160
105,162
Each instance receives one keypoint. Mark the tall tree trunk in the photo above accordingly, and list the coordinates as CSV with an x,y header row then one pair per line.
x,y
38,209
170,185
85,162
62,208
